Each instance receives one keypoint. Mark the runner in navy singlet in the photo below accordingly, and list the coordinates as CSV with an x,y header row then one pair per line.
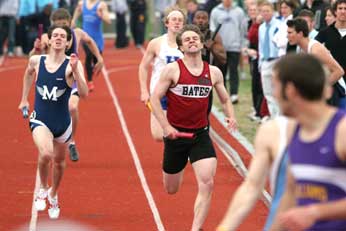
x,y
61,17
187,84
50,120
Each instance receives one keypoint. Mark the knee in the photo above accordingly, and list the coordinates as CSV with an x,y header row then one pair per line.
x,y
206,185
59,163
45,155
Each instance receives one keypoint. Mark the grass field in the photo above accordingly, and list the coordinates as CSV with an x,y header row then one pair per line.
x,y
244,107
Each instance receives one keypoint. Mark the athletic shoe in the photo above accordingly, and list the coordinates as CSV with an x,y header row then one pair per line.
x,y
234,99
40,199
54,209
74,155
91,86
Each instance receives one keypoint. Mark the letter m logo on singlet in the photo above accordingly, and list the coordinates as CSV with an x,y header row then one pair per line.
x,y
53,95
171,59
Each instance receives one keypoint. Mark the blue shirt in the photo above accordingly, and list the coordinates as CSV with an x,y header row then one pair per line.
x,y
92,24
42,3
26,7
274,28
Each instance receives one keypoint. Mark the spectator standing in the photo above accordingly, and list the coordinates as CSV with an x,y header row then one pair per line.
x,y
330,16
120,8
230,18
308,16
334,39
137,20
27,9
286,13
8,12
160,6
318,8
210,4
192,7
252,52
268,53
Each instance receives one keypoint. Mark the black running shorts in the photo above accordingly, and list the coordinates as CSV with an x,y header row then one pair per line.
x,y
178,151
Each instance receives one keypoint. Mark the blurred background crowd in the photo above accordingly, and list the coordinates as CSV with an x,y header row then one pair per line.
x,y
237,22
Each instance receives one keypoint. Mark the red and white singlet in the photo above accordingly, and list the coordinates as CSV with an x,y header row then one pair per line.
x,y
188,100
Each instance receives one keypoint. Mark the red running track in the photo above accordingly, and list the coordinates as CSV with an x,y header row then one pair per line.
x,y
103,190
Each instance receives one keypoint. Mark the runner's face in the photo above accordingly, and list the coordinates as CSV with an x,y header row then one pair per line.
x,y
58,39
278,95
175,21
191,42
61,22
292,36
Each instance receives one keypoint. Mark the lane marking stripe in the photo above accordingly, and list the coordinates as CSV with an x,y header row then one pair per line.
x,y
134,153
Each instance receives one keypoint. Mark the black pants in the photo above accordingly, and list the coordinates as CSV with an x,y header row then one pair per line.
x,y
90,61
232,62
120,28
137,25
256,86
7,31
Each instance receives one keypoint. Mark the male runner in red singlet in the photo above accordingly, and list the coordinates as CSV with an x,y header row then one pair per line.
x,y
187,84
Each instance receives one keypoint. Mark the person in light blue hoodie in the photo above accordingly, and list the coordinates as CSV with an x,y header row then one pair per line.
x,y
231,21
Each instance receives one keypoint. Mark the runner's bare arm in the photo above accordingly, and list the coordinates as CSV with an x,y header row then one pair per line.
x,y
28,79
77,71
225,100
167,79
103,12
40,46
147,58
336,71
250,190
93,48
76,14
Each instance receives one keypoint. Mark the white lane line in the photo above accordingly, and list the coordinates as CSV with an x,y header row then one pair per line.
x,y
242,140
33,221
3,69
234,158
124,68
134,153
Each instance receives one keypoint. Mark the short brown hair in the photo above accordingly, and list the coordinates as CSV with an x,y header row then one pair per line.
x,y
66,28
60,14
306,13
189,27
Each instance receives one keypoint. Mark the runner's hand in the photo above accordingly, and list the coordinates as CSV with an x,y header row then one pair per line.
x,y
98,67
170,132
231,124
74,62
37,45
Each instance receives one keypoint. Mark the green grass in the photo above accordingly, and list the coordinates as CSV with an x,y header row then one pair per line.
x,y
244,107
